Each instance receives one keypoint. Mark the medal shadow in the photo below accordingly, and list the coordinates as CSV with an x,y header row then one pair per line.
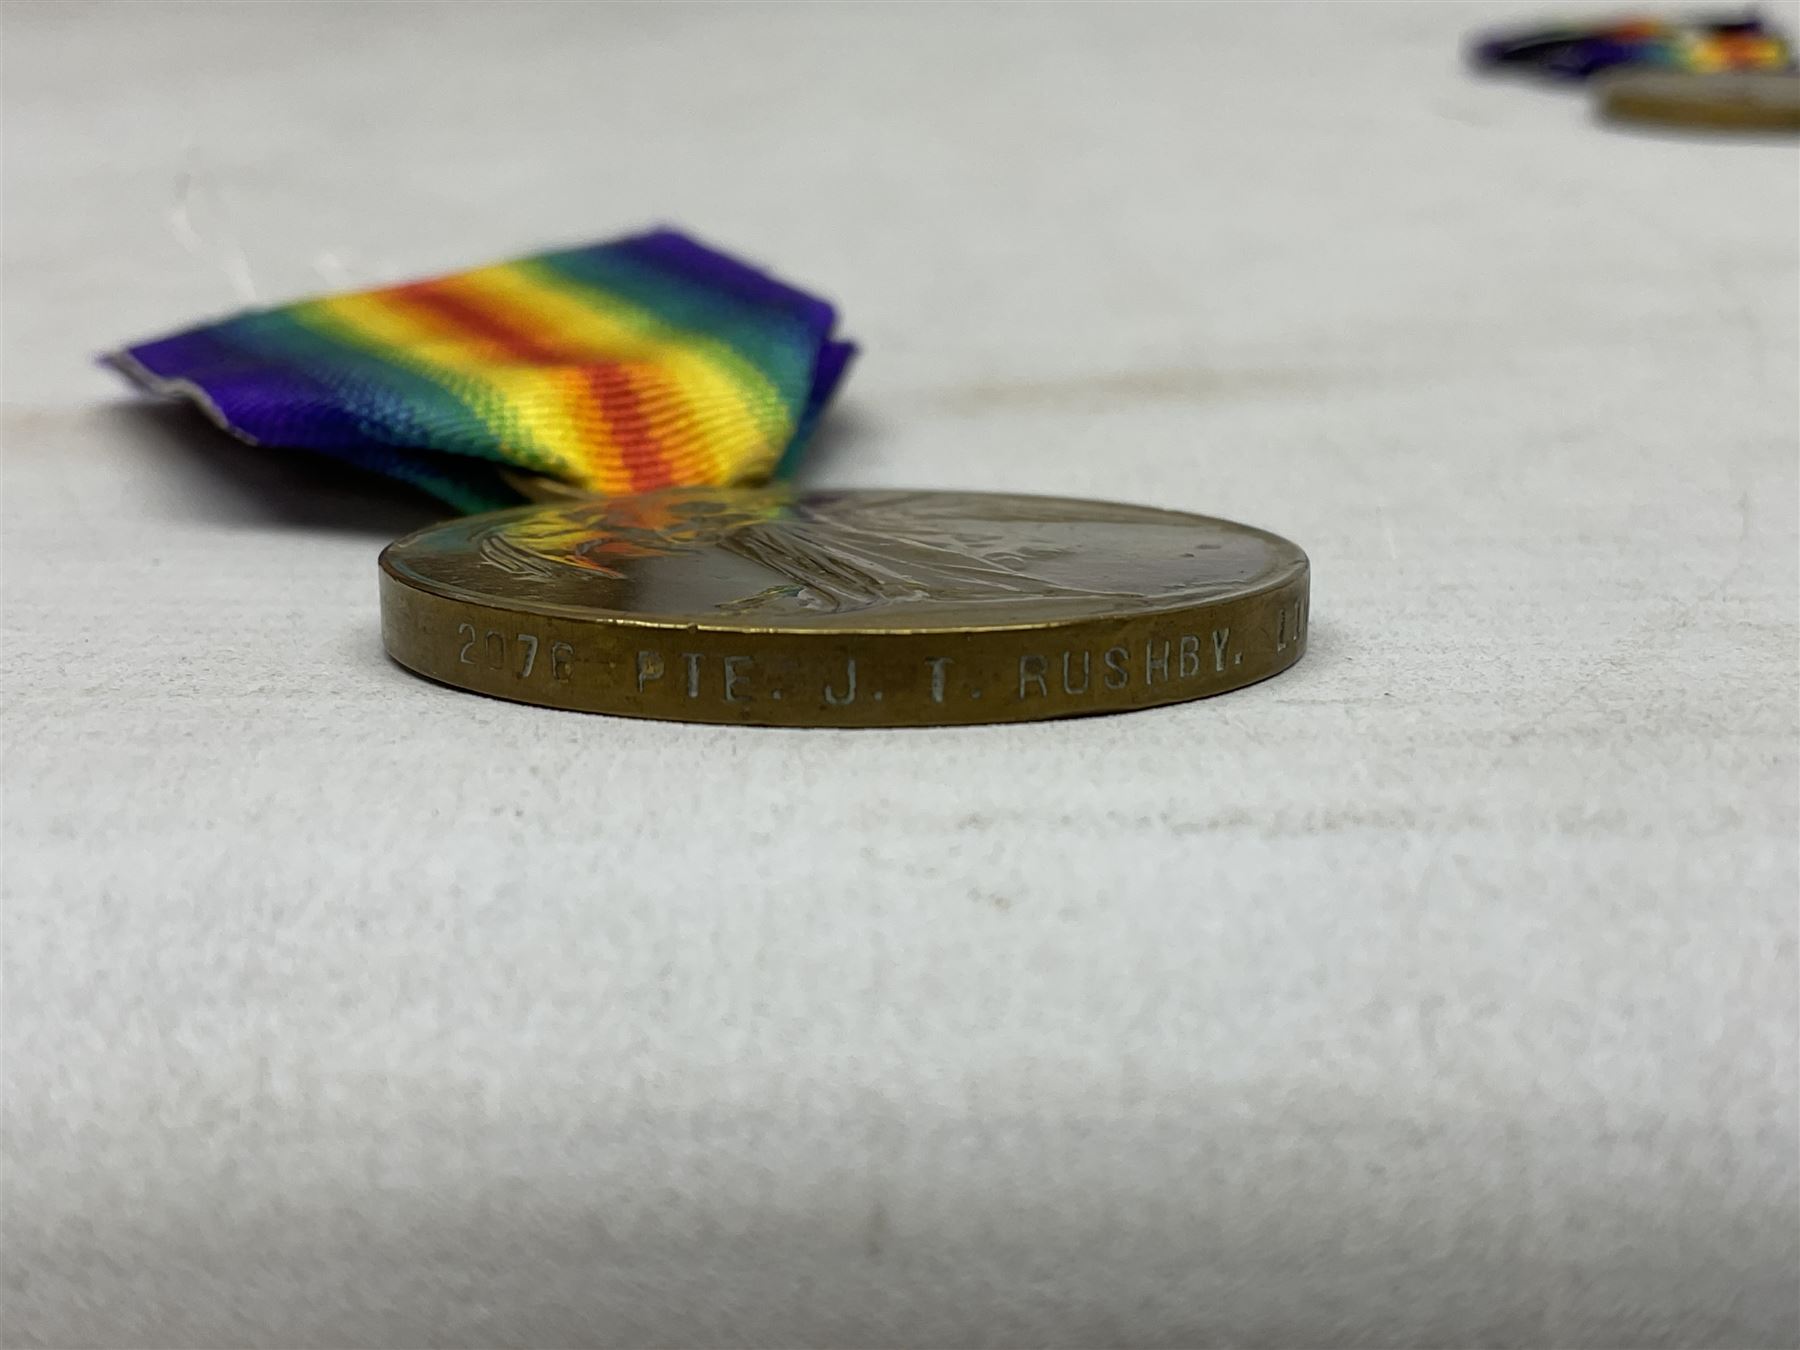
x,y
213,477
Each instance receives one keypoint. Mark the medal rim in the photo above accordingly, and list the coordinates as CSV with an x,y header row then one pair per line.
x,y
1215,644
1275,578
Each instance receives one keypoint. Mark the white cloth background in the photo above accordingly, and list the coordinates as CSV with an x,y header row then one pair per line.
x,y
1442,991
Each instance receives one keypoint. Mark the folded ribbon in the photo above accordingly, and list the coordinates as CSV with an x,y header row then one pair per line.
x,y
627,365
1579,51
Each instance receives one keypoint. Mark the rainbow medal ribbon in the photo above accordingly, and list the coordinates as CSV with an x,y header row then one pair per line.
x,y
1581,51
637,363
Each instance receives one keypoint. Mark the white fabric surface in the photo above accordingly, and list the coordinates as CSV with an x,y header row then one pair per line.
x,y
1442,991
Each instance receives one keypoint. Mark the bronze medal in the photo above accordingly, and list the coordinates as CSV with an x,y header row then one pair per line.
x,y
1734,101
854,608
